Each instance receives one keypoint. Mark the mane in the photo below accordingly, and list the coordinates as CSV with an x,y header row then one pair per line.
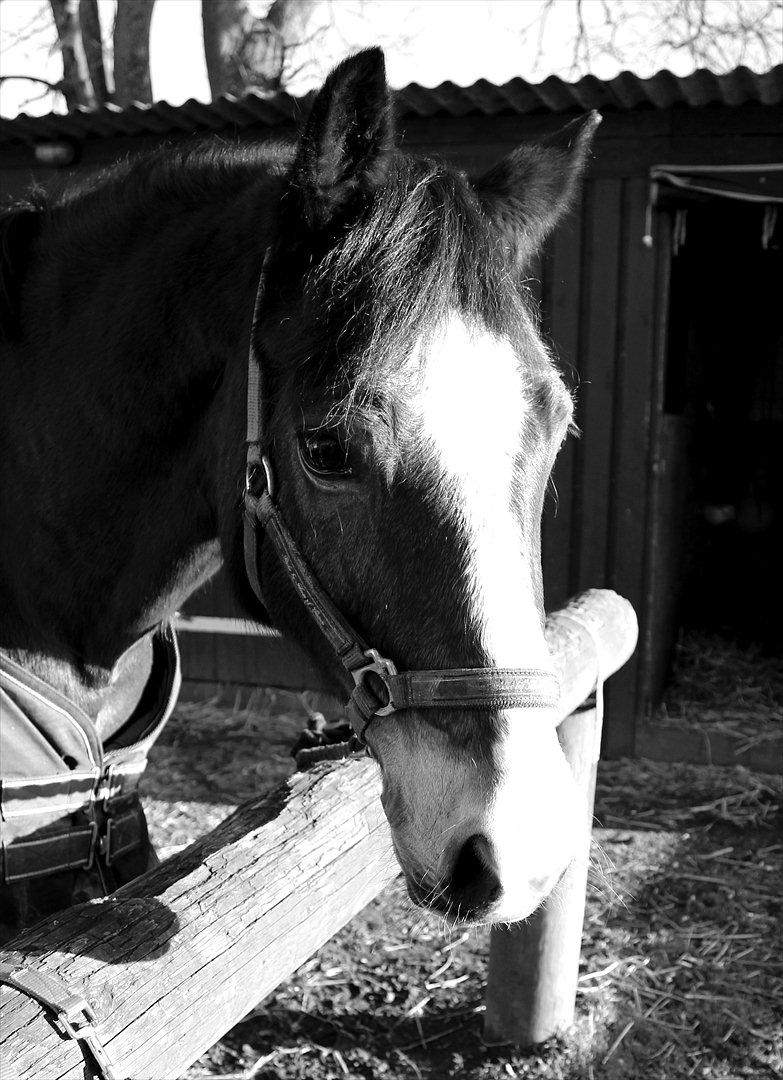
x,y
122,204
186,176
19,225
423,248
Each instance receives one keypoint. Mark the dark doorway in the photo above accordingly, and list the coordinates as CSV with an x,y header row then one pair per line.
x,y
724,384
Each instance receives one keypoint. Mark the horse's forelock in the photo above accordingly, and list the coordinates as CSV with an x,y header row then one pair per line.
x,y
422,249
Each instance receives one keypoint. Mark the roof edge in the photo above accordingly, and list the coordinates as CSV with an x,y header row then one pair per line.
x,y
624,92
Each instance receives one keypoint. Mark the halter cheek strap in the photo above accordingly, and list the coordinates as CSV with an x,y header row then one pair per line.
x,y
378,688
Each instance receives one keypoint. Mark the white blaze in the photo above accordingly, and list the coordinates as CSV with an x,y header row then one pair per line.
x,y
473,409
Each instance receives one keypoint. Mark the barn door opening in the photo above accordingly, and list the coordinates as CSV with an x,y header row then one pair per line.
x,y
724,378
716,565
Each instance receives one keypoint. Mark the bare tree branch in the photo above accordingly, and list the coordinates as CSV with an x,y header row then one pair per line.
x,y
582,39
643,36
58,86
40,23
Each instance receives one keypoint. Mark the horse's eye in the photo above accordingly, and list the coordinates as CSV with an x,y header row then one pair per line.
x,y
324,453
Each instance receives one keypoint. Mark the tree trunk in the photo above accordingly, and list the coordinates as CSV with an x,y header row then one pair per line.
x,y
132,52
290,18
90,23
244,51
77,88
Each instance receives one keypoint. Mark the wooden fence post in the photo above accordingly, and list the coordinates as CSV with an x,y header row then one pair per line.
x,y
534,965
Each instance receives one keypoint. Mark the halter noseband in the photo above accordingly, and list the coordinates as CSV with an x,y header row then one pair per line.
x,y
378,688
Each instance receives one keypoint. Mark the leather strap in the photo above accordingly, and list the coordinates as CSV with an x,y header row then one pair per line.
x,y
73,1015
71,848
116,830
475,688
457,688
378,688
350,649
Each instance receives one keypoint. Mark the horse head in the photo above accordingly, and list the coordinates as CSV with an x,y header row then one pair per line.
x,y
413,414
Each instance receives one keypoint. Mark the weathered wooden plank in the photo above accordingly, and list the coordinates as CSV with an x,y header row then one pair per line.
x,y
198,657
666,551
562,326
236,652
681,742
596,395
646,602
628,526
172,961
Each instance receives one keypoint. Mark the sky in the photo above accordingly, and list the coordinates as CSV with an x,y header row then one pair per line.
x,y
426,41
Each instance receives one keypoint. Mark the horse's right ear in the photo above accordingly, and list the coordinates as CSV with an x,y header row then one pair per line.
x,y
528,192
347,141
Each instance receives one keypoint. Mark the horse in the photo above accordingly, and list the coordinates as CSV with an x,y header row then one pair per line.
x,y
366,311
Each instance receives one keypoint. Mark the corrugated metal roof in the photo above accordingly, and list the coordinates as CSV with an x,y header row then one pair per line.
x,y
626,91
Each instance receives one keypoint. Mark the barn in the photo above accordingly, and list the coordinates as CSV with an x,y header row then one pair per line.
x,y
661,298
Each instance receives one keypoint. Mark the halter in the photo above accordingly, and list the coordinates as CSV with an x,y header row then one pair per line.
x,y
378,688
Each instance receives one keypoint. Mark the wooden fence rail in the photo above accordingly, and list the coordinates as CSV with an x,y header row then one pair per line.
x,y
174,960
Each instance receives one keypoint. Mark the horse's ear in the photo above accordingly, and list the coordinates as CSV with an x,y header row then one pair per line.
x,y
530,190
347,141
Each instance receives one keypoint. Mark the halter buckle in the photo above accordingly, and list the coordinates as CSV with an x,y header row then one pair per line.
x,y
385,670
255,464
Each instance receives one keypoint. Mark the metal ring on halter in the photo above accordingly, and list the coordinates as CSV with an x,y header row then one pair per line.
x,y
251,472
384,669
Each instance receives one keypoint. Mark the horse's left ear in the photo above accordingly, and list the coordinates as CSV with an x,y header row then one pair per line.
x,y
530,190
348,139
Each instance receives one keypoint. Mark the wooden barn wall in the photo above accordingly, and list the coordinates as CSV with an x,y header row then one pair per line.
x,y
597,312
602,296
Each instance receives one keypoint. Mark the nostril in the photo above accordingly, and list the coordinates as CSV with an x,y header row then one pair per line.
x,y
474,880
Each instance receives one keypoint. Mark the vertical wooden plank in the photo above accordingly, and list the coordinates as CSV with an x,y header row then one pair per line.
x,y
657,497
198,657
666,554
596,364
561,324
642,304
228,658
214,598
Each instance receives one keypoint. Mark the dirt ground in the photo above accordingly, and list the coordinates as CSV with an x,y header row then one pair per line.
x,y
682,967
